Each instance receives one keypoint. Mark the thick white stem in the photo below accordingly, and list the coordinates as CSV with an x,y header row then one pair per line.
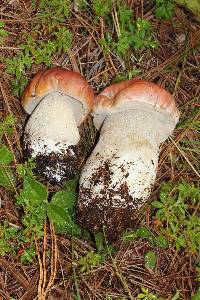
x,y
122,168
52,126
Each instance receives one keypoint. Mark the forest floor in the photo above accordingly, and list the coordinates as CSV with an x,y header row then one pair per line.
x,y
66,267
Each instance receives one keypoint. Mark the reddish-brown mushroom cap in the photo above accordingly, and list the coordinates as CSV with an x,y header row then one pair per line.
x,y
114,88
106,97
138,91
57,80
30,90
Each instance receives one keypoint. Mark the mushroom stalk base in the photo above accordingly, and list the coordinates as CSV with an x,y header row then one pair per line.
x,y
118,176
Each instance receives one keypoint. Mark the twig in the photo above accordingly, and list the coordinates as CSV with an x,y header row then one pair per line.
x,y
41,268
183,154
74,271
54,257
44,258
118,273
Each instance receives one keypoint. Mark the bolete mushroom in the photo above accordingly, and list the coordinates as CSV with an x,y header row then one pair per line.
x,y
59,102
135,116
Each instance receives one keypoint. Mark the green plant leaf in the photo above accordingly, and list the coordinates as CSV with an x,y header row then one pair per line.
x,y
26,169
90,260
157,204
60,211
161,241
143,232
102,7
33,194
6,156
176,296
150,259
71,185
3,32
62,220
129,235
64,199
179,216
7,178
144,290
4,247
180,242
141,296
64,39
99,240
196,296
164,9
28,256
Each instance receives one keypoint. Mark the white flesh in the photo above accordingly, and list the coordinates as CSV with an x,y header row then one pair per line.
x,y
52,125
129,144
52,128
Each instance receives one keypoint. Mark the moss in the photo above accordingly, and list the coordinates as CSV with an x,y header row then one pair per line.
x,y
193,5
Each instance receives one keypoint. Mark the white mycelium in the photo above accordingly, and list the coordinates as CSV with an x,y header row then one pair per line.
x,y
52,128
122,167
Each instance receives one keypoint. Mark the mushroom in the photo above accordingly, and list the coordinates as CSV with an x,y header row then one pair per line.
x,y
134,117
59,102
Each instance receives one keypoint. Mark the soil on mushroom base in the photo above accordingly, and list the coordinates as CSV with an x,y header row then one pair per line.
x,y
113,220
67,163
99,212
